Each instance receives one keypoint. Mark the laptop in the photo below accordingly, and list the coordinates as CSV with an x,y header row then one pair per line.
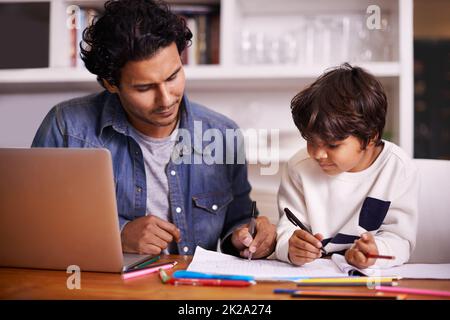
x,y
58,208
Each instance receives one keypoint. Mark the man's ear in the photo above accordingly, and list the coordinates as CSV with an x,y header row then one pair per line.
x,y
110,87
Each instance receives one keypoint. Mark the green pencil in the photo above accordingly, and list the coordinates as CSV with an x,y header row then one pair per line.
x,y
146,263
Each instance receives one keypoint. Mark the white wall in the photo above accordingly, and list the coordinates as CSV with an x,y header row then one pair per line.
x,y
22,112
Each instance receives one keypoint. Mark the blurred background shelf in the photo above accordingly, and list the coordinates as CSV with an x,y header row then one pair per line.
x,y
202,75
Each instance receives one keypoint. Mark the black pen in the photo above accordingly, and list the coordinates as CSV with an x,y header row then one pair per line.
x,y
292,218
252,225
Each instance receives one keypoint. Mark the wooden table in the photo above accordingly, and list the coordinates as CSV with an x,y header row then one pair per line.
x,y
18,283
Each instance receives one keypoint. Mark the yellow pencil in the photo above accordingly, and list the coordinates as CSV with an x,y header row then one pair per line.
x,y
345,280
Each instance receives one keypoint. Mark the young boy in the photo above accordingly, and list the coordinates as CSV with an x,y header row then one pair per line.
x,y
356,193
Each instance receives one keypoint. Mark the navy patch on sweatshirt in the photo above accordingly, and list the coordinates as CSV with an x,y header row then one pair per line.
x,y
372,213
342,238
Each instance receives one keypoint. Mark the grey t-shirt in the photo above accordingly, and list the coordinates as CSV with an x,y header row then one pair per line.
x,y
156,153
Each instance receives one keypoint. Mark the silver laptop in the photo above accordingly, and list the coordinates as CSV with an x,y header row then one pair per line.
x,y
58,208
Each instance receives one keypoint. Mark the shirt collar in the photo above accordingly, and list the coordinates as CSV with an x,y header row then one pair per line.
x,y
187,122
113,115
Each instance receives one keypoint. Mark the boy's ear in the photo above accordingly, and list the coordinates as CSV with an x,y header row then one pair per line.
x,y
375,138
372,141
110,87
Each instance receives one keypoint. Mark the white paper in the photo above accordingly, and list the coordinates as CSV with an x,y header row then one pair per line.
x,y
218,263
406,271
346,268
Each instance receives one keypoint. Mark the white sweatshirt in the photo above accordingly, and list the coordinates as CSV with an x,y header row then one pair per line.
x,y
333,205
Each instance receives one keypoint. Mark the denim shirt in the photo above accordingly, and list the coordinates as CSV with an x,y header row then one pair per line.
x,y
207,201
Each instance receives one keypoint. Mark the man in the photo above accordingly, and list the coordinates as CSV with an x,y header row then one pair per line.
x,y
165,204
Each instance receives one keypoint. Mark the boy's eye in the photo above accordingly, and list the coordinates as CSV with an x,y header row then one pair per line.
x,y
333,146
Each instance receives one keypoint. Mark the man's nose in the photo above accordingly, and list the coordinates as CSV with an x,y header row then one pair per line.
x,y
163,98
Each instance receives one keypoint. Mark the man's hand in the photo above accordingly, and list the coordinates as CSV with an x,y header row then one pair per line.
x,y
304,247
262,245
356,255
148,235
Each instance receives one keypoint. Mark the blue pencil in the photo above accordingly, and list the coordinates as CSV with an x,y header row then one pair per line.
x,y
180,274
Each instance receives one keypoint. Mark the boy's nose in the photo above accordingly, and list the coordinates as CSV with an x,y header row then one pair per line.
x,y
320,154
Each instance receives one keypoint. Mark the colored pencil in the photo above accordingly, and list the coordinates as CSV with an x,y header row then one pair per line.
x,y
210,282
345,295
179,274
346,280
348,284
426,292
146,263
377,256
141,272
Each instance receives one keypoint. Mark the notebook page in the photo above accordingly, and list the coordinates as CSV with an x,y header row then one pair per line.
x,y
218,263
406,271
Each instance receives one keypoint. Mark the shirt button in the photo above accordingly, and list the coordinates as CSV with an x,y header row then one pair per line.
x,y
185,249
138,189
136,152
178,209
214,207
173,172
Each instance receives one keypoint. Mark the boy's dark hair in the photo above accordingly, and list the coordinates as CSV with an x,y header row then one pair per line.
x,y
130,30
345,101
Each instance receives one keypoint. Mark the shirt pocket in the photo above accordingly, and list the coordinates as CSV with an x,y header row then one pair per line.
x,y
209,213
212,202
372,213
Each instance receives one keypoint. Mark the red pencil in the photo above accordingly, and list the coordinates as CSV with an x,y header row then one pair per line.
x,y
210,282
376,256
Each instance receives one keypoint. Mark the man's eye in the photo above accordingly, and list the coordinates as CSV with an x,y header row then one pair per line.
x,y
172,77
333,146
143,89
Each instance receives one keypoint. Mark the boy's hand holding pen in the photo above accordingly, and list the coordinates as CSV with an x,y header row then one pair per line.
x,y
304,247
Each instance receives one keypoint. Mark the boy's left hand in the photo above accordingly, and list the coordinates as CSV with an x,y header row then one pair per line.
x,y
356,255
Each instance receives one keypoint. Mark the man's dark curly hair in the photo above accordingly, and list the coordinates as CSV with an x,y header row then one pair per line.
x,y
130,30
344,101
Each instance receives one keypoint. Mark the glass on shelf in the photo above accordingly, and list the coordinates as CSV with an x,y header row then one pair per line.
x,y
246,47
381,41
370,44
318,40
260,48
289,48
325,40
359,42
